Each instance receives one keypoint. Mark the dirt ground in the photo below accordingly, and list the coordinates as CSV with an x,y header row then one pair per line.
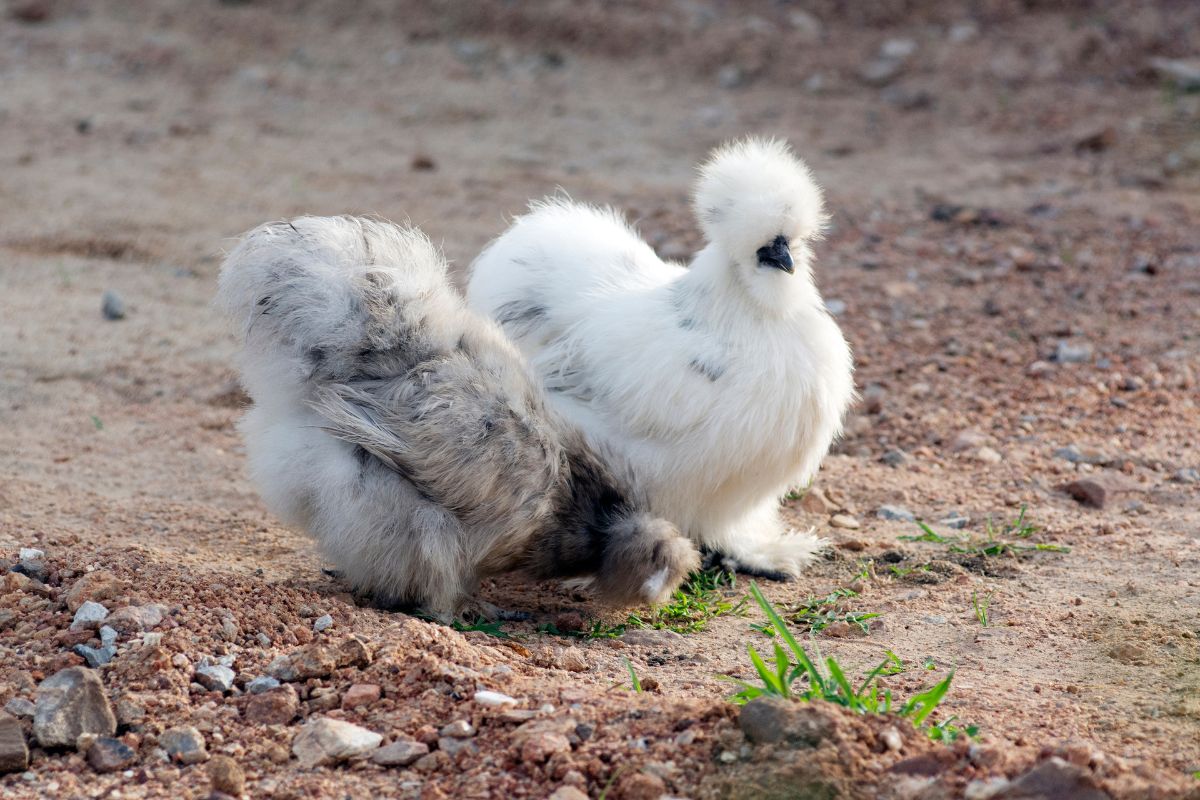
x,y
1013,250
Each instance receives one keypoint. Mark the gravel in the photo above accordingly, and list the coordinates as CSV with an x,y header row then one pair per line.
x,y
215,677
112,305
184,745
897,513
14,753
89,616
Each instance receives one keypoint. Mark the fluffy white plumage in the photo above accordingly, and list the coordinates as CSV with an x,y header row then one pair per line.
x,y
722,384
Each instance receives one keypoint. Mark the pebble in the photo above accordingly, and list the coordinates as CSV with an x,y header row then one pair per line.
x,y
14,753
1069,353
184,744
215,678
988,456
261,684
108,636
955,521
1184,74
89,616
322,623
95,656
731,76
95,586
568,793
69,703
107,754
891,740
844,521
1087,492
494,699
324,741
814,501
312,661
540,746
112,305
771,720
134,619
934,619
572,660
277,706
894,457
1188,475
897,513
30,554
459,729
399,753
226,776
452,747
20,707
361,694
880,71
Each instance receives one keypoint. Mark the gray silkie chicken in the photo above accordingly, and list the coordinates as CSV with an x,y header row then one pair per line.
x,y
406,434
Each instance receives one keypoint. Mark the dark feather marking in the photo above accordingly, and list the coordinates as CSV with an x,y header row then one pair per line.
x,y
520,312
711,371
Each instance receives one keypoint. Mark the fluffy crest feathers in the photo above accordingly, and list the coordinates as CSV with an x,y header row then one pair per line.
x,y
752,190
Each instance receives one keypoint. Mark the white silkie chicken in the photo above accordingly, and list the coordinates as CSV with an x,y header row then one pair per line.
x,y
406,434
722,384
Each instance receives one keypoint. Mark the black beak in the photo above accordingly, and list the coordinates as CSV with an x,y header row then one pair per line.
x,y
777,255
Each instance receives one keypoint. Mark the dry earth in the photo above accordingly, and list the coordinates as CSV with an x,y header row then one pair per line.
x,y
1014,244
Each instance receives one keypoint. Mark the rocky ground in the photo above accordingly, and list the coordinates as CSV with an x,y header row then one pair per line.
x,y
1013,256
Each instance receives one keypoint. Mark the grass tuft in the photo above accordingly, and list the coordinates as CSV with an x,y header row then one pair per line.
x,y
792,665
634,682
981,607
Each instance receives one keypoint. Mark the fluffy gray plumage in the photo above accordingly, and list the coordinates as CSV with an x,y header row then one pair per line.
x,y
404,431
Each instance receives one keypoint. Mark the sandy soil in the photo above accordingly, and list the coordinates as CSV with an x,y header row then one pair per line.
x,y
1024,179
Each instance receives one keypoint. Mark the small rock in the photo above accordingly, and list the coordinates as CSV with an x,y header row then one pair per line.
x,y
276,706
968,440
261,684
20,707
844,521
226,776
312,661
1185,75
1087,492
894,458
400,753
891,740
129,711
215,678
769,719
108,636
814,501
134,619
568,793
324,741
184,744
494,699
1128,653
955,521
353,652
30,554
1068,353
1187,475
322,623
962,32
14,753
988,456
107,754
934,619
1076,456
540,746
459,729
112,305
1054,778
89,616
95,657
69,703
731,76
572,659
641,786
895,513
880,71
452,747
361,694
